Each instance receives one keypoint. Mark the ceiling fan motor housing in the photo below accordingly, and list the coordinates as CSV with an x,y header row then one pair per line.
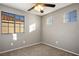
x,y
41,11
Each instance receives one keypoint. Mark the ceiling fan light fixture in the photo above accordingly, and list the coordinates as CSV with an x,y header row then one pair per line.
x,y
39,7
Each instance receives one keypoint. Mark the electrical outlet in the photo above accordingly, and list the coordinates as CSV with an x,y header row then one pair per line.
x,y
24,42
12,44
56,42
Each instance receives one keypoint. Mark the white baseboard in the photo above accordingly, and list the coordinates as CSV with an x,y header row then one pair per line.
x,y
39,43
61,48
19,47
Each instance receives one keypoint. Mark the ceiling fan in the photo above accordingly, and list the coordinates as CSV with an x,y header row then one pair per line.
x,y
40,6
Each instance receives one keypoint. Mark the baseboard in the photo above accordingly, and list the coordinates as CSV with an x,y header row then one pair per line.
x,y
61,49
39,43
20,47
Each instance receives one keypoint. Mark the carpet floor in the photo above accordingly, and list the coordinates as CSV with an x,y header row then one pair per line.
x,y
37,50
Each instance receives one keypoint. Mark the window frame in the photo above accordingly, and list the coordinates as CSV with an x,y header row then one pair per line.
x,y
12,23
68,16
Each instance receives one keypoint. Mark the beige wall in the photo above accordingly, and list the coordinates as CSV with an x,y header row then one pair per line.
x,y
60,34
65,34
27,37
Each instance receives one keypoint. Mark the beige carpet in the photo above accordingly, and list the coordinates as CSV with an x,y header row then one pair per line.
x,y
38,50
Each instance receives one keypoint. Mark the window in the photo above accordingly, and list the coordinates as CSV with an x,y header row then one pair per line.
x,y
11,23
71,16
19,23
50,20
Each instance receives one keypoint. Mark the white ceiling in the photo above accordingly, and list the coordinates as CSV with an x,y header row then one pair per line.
x,y
26,6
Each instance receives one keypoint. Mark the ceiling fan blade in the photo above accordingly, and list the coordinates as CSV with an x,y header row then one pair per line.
x,y
50,5
31,8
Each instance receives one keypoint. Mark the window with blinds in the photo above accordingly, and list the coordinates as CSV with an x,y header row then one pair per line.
x,y
11,23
